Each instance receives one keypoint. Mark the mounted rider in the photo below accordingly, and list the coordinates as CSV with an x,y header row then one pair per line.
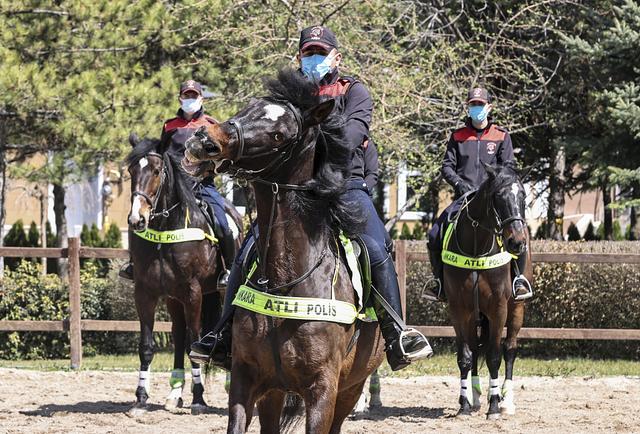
x,y
319,60
175,133
479,141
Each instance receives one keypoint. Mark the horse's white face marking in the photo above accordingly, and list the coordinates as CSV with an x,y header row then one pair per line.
x,y
273,112
143,162
515,189
135,209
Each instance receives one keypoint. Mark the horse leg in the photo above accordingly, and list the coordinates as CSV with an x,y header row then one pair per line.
x,y
345,401
192,310
269,410
178,331
374,390
475,382
494,357
514,323
241,399
146,307
320,403
465,361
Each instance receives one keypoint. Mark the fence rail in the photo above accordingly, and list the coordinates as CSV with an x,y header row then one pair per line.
x,y
74,325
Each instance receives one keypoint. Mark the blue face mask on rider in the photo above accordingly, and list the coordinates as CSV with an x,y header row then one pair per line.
x,y
316,66
478,113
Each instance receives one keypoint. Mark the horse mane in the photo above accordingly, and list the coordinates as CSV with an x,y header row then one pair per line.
x,y
333,156
506,174
176,176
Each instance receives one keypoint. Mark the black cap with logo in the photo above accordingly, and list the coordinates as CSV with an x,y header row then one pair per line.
x,y
479,94
191,85
319,36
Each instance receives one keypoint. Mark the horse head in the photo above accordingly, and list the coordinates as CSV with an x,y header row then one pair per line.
x,y
258,139
508,200
146,167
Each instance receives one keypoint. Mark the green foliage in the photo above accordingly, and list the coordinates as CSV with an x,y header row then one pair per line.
x,y
541,232
590,233
617,231
405,232
26,295
33,236
90,237
418,232
573,233
113,237
16,237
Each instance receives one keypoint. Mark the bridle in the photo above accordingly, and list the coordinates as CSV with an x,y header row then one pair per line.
x,y
154,202
495,231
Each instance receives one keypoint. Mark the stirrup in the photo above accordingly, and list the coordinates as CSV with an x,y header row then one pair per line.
x,y
428,294
522,297
423,353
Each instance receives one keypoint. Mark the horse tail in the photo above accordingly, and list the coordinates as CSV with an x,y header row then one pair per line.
x,y
291,413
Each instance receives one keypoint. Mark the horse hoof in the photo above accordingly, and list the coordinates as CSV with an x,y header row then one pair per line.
x,y
508,409
173,404
476,407
137,410
493,416
375,402
197,409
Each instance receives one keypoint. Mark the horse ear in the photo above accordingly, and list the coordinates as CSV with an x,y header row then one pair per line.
x,y
491,170
319,113
133,139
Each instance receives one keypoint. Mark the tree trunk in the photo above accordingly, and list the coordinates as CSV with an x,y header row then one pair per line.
x,y
61,227
608,215
555,212
634,228
43,225
3,188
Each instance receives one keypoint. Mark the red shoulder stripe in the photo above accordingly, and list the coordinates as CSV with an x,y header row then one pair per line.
x,y
493,133
174,123
464,134
338,88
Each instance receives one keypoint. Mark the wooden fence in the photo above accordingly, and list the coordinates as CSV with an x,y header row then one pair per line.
x,y
75,325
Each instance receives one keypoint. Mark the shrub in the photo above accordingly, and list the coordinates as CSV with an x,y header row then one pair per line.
x,y
590,233
405,232
573,233
418,232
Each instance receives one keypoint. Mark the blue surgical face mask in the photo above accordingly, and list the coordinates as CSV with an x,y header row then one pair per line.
x,y
478,113
317,66
191,105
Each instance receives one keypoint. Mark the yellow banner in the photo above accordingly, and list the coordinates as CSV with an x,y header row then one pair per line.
x,y
175,236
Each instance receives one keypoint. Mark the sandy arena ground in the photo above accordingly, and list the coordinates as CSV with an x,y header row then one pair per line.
x,y
96,402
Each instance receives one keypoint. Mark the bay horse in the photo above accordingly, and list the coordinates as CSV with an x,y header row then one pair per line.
x,y
479,289
291,148
185,273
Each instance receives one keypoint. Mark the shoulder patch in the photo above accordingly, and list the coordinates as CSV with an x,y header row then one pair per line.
x,y
174,123
494,133
463,134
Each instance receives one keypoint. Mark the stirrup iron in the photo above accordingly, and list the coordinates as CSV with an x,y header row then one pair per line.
x,y
423,353
529,293
438,293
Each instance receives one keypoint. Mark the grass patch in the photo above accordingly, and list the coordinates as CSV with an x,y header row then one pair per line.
x,y
441,364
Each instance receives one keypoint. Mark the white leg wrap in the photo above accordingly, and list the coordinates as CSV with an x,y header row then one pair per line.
x,y
176,393
477,390
464,388
494,387
195,376
507,404
144,379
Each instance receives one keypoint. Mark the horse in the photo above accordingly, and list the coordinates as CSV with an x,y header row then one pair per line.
x,y
291,149
171,261
477,283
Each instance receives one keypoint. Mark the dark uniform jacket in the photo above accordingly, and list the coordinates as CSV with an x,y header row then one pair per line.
x,y
468,147
371,165
176,131
354,103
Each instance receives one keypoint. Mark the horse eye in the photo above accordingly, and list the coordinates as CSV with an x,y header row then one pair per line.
x,y
277,137
156,172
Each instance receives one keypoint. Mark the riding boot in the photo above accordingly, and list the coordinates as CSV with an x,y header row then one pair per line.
x,y
215,346
126,271
228,248
433,290
521,287
402,346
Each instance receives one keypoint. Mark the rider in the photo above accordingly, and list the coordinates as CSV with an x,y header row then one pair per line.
x,y
319,59
175,132
480,140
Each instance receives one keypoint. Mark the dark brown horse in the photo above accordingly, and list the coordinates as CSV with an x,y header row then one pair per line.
x,y
292,150
185,273
483,298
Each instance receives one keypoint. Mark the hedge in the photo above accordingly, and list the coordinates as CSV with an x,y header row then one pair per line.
x,y
565,295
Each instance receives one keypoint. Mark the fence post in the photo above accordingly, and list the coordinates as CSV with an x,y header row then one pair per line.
x,y
401,269
75,336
